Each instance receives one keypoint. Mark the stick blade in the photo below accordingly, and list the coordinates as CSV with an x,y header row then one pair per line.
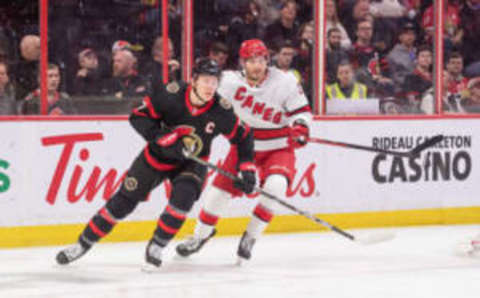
x,y
375,238
428,143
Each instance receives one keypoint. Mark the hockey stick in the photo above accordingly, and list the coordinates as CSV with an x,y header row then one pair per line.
x,y
409,154
368,239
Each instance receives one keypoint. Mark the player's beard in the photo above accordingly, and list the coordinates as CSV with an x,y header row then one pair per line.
x,y
255,76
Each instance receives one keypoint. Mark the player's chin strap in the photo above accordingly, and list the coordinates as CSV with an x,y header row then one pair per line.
x,y
365,239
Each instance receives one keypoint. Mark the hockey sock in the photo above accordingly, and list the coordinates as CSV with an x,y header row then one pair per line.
x,y
262,216
184,194
263,212
215,201
102,223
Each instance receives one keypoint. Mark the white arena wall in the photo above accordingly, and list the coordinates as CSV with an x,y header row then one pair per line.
x,y
55,174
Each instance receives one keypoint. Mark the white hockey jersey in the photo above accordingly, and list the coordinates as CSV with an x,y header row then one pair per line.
x,y
269,108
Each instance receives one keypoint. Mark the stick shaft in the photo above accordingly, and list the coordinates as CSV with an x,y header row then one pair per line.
x,y
276,199
359,147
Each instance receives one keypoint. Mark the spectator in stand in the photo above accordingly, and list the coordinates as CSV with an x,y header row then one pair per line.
x,y
401,58
243,26
419,81
286,27
450,103
284,57
305,11
470,19
377,78
388,9
153,69
333,22
471,104
453,34
8,104
88,80
126,81
303,60
269,12
454,66
335,53
355,12
59,103
363,50
219,53
27,68
346,87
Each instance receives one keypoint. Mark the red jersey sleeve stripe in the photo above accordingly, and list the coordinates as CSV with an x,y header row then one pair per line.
x,y
138,113
234,130
303,109
246,131
151,110
155,164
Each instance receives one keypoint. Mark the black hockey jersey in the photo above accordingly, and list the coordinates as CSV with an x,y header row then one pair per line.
x,y
169,107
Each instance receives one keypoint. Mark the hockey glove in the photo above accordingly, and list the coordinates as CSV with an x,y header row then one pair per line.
x,y
171,145
246,180
299,134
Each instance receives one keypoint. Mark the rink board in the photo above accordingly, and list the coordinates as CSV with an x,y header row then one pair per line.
x,y
54,175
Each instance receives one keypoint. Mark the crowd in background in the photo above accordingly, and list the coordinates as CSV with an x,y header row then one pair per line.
x,y
103,54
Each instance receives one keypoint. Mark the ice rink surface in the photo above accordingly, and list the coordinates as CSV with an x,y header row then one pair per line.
x,y
419,262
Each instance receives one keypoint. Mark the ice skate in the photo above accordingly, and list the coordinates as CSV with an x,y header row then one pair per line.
x,y
469,248
193,244
71,253
153,257
245,246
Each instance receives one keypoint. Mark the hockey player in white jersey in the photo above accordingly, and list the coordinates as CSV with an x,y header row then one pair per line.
x,y
273,104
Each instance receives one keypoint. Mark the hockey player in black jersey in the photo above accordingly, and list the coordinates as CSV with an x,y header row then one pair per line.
x,y
175,118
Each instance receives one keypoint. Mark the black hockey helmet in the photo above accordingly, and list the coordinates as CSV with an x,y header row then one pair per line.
x,y
207,66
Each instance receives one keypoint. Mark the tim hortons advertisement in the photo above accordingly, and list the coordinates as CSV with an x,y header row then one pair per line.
x,y
62,172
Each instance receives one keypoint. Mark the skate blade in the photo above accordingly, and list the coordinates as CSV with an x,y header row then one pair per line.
x,y
464,249
241,262
149,268
375,238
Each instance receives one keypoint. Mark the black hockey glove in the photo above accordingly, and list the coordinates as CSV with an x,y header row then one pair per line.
x,y
171,145
246,180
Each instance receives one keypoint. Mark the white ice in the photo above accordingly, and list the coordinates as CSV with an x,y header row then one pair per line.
x,y
419,262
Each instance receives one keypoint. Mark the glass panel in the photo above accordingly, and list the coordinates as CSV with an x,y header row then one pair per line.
x,y
462,59
379,57
19,53
286,28
106,52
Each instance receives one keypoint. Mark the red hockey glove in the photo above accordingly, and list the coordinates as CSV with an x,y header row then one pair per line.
x,y
246,180
299,134
171,144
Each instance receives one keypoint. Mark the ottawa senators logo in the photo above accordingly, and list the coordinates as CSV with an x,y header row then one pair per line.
x,y
227,105
192,142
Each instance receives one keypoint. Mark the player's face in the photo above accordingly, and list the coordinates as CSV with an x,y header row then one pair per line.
x,y
206,85
256,68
